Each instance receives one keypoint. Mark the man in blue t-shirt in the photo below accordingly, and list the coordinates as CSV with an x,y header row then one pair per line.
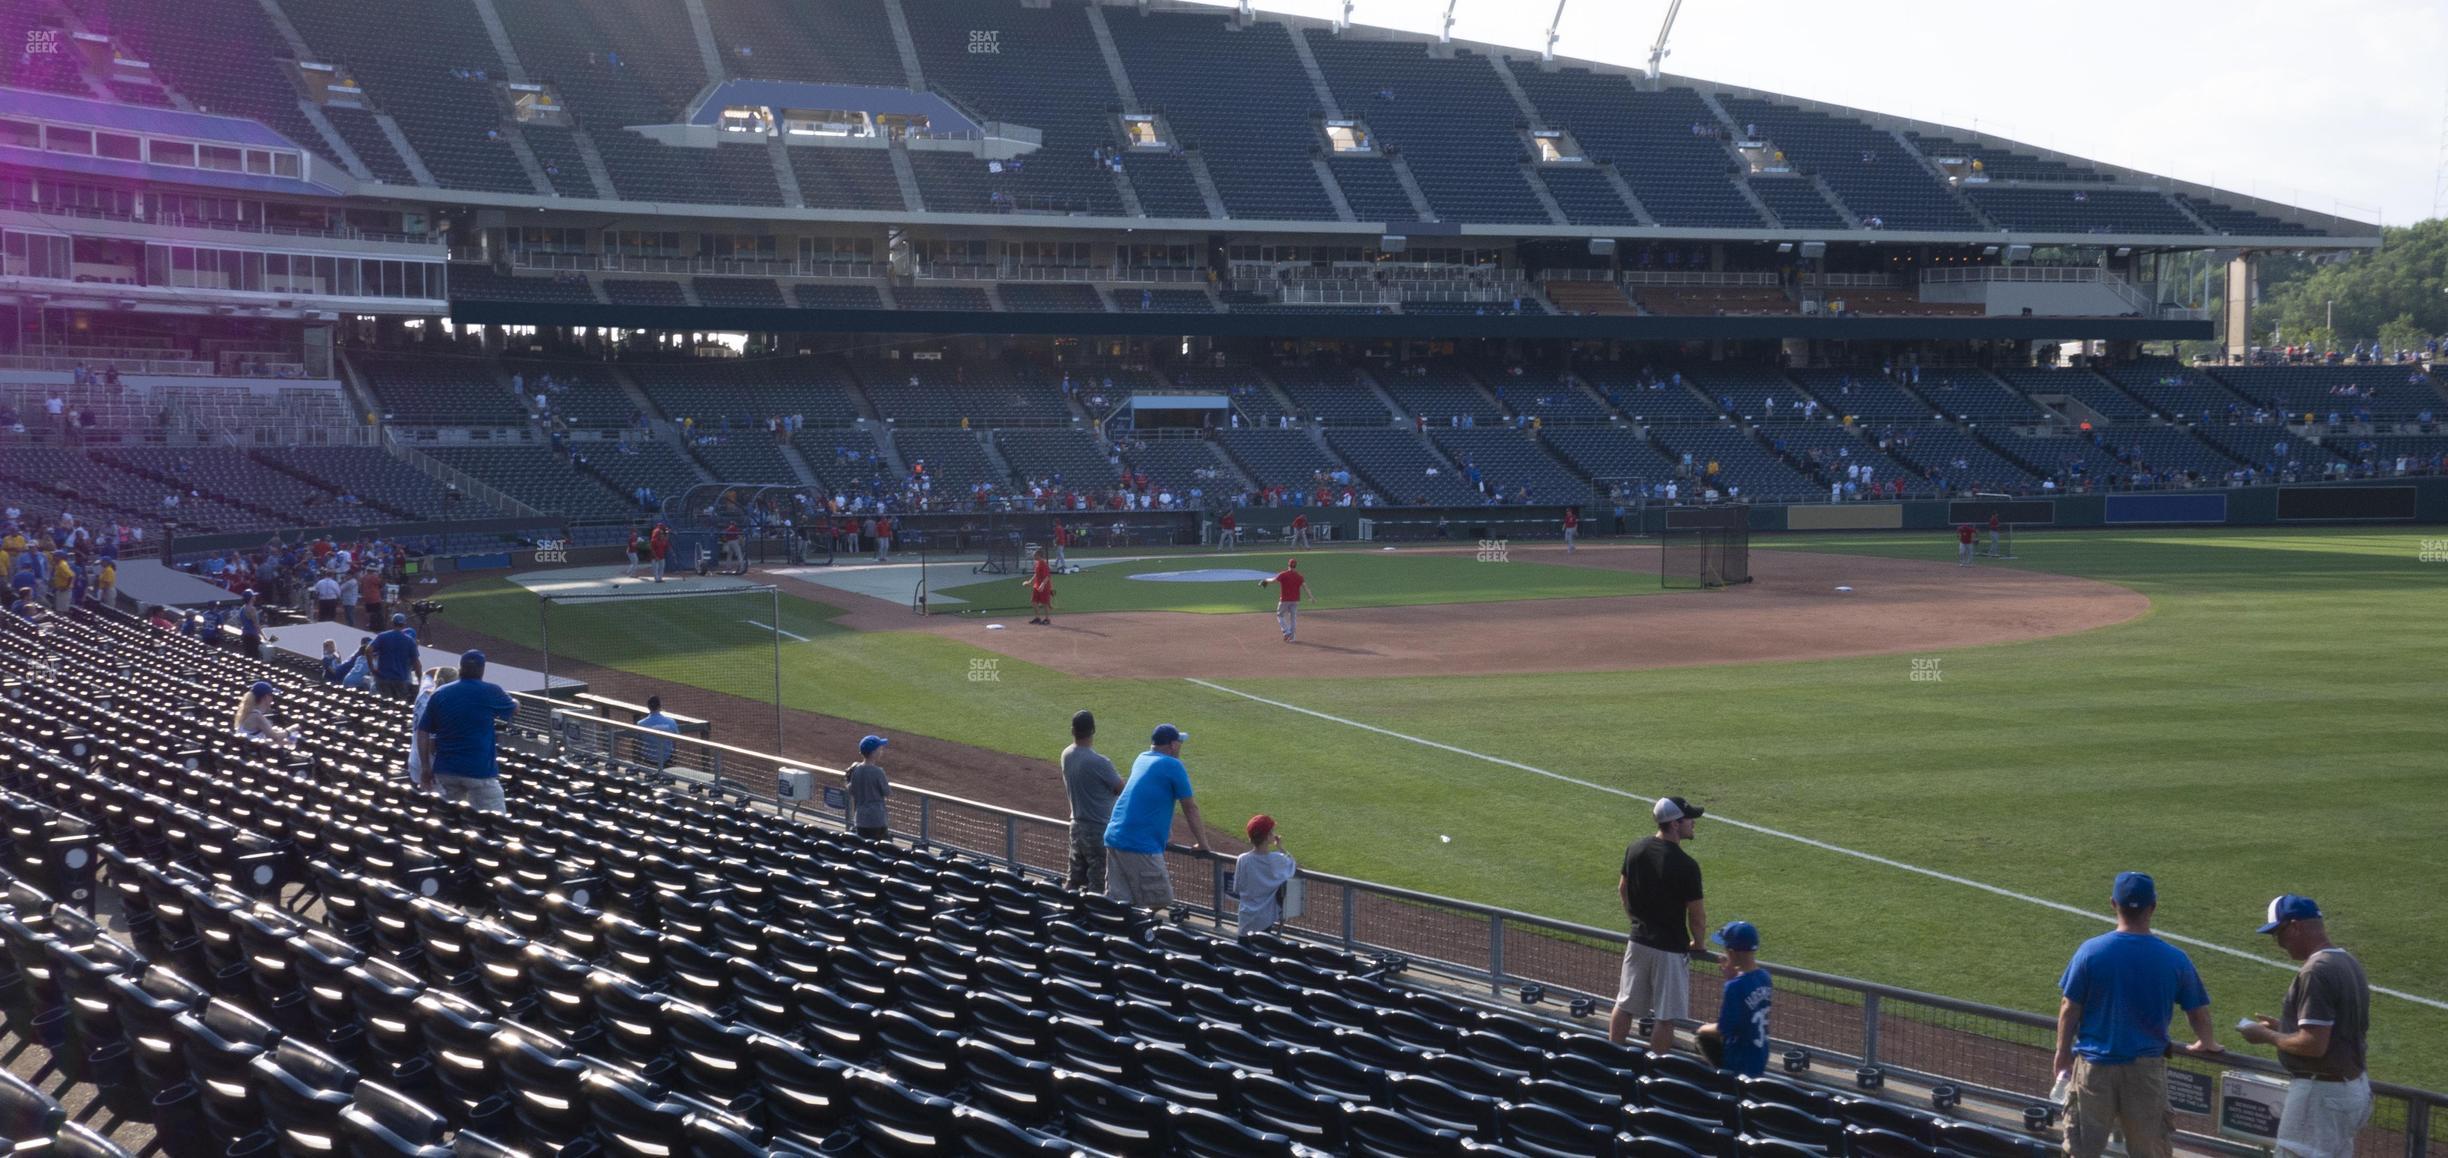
x,y
455,736
1737,1042
654,750
397,664
2112,1028
1143,821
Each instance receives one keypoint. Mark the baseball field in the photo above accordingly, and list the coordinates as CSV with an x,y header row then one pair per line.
x,y
1916,773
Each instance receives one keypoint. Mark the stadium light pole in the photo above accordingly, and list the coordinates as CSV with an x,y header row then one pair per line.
x,y
1445,36
1657,51
1548,53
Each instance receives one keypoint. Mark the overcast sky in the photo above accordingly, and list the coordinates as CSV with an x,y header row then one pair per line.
x,y
2336,105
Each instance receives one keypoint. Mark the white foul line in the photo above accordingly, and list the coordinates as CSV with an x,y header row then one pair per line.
x,y
776,630
1764,830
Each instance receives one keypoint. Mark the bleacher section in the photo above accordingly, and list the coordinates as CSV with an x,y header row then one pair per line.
x,y
1070,458
366,139
2174,391
1064,297
943,394
2083,386
1949,459
1823,450
1439,394
374,475
539,478
1977,396
1682,178
49,71
1333,396
1867,168
942,297
1402,468
1658,399
741,395
1257,404
2089,209
2388,393
1164,185
951,457
845,178
404,62
629,291
95,487
1289,458
1863,393
2424,453
221,54
470,282
228,476
1543,398
1045,73
1697,301
588,399
1746,390
1133,300
837,42
743,456
836,296
1611,456
1182,465
1742,463
1452,119
1586,196
439,391
1797,203
1598,298
2230,220
556,149
750,292
1510,460
1257,145
826,453
1372,190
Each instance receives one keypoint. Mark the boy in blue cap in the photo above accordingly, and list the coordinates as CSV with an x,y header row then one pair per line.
x,y
2112,1028
869,788
1737,1042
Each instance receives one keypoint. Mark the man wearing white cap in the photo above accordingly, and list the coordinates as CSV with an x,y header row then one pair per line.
x,y
1660,887
2319,1034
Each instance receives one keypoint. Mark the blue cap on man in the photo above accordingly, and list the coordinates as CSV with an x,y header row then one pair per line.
x,y
399,619
2135,891
1740,936
2291,907
471,664
868,745
1166,734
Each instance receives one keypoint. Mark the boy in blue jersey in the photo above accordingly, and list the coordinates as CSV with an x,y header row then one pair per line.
x,y
1737,1042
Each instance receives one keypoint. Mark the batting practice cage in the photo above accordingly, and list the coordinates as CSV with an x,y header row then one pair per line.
x,y
1705,547
777,525
724,639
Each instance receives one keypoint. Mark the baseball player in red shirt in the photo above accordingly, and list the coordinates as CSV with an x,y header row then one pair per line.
x,y
1300,531
1572,527
1062,539
1041,593
1993,535
1287,605
1963,537
1228,532
658,545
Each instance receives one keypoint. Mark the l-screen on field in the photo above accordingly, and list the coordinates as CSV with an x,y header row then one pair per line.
x,y
2240,714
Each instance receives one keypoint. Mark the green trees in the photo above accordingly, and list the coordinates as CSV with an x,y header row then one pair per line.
x,y
2398,294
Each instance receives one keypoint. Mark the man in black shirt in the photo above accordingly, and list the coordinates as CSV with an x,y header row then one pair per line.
x,y
1660,887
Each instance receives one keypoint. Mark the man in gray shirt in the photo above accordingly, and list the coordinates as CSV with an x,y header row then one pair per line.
x,y
1093,784
868,790
2319,1033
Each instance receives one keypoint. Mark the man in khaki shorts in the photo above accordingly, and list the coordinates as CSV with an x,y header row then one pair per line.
x,y
1660,887
1142,823
2112,1039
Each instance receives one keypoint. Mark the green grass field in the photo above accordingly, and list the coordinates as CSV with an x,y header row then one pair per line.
x,y
2272,724
1339,578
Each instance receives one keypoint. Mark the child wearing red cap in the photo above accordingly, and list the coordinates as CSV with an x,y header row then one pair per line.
x,y
1259,877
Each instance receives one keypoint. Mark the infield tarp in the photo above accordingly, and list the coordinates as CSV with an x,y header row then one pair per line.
x,y
2173,508
1845,517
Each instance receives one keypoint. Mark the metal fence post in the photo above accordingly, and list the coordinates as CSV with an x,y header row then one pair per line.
x,y
2418,1128
1496,953
1348,902
926,814
1011,840
1870,1028
1215,888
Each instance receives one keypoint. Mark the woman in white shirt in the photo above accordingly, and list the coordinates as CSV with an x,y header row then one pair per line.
x,y
253,718
435,677
1259,876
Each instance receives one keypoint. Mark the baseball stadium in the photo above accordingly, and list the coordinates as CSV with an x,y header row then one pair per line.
x,y
572,561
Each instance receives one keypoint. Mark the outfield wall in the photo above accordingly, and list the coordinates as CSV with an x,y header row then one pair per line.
x,y
2377,502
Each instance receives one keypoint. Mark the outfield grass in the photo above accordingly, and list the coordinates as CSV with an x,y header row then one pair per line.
x,y
2272,724
1340,578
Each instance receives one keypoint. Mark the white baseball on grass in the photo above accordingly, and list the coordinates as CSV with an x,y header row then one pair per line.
x,y
1444,838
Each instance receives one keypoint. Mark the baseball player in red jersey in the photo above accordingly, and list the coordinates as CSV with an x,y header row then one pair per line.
x,y
1572,527
1062,539
1041,593
1963,536
1228,532
1287,605
1300,531
1993,535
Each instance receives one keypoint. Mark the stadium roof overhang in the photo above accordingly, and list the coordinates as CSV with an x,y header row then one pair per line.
x,y
1421,327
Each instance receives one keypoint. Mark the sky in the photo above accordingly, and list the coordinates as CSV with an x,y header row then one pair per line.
x,y
2339,106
